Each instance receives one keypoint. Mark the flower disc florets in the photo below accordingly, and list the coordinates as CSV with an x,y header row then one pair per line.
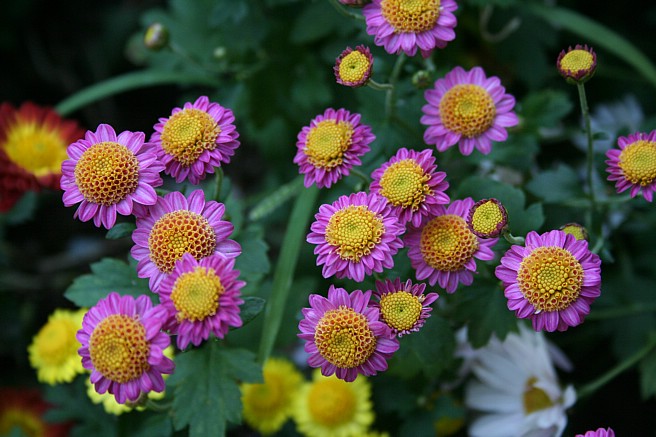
x,y
354,67
633,165
469,109
552,280
403,306
578,231
577,64
355,236
344,335
487,218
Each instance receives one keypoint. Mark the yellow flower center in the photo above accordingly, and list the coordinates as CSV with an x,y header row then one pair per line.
x,y
638,162
535,399
327,142
577,60
343,338
118,348
38,149
411,15
195,294
331,402
354,232
550,278
405,184
56,343
447,243
177,233
400,310
487,217
27,421
575,229
188,133
354,67
107,173
468,110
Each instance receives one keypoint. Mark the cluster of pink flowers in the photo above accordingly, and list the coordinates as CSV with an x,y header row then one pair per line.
x,y
181,243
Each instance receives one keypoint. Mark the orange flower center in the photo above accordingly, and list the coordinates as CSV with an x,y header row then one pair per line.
x,y
188,133
405,184
196,294
331,402
118,348
468,110
577,60
354,67
327,142
177,233
412,16
638,162
107,173
354,231
400,310
447,243
550,278
38,149
343,338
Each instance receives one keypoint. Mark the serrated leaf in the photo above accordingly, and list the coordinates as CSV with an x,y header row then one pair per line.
x,y
120,230
253,262
251,308
557,185
207,380
107,275
433,346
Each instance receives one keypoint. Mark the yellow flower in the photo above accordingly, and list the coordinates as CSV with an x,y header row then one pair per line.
x,y
331,407
53,352
267,406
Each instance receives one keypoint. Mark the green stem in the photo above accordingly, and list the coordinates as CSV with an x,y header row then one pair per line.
x,y
390,98
284,273
126,82
595,385
342,10
510,238
358,173
379,86
588,132
218,184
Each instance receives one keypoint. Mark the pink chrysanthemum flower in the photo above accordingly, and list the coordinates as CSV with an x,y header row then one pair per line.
x,y
195,139
344,336
405,26
633,165
577,64
601,432
467,108
122,346
176,225
330,146
355,236
108,174
552,280
202,298
403,306
353,68
443,249
410,184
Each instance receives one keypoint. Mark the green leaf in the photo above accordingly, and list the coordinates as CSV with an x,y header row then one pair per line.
x,y
251,308
432,347
545,109
558,185
276,199
317,20
648,376
107,275
206,387
120,230
253,262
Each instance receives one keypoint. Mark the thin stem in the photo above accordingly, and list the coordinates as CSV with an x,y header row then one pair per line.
x,y
510,238
218,184
590,158
379,86
342,10
126,82
358,173
390,98
595,385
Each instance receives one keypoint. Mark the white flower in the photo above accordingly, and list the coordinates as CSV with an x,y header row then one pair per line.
x,y
516,389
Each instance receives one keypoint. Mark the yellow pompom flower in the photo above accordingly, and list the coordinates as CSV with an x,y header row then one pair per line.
x,y
267,406
331,407
53,352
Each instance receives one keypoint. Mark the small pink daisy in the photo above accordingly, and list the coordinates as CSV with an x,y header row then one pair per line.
x,y
467,108
344,336
355,236
330,146
552,280
176,225
108,174
410,184
122,345
403,306
202,298
598,433
443,249
353,68
633,165
195,139
402,26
